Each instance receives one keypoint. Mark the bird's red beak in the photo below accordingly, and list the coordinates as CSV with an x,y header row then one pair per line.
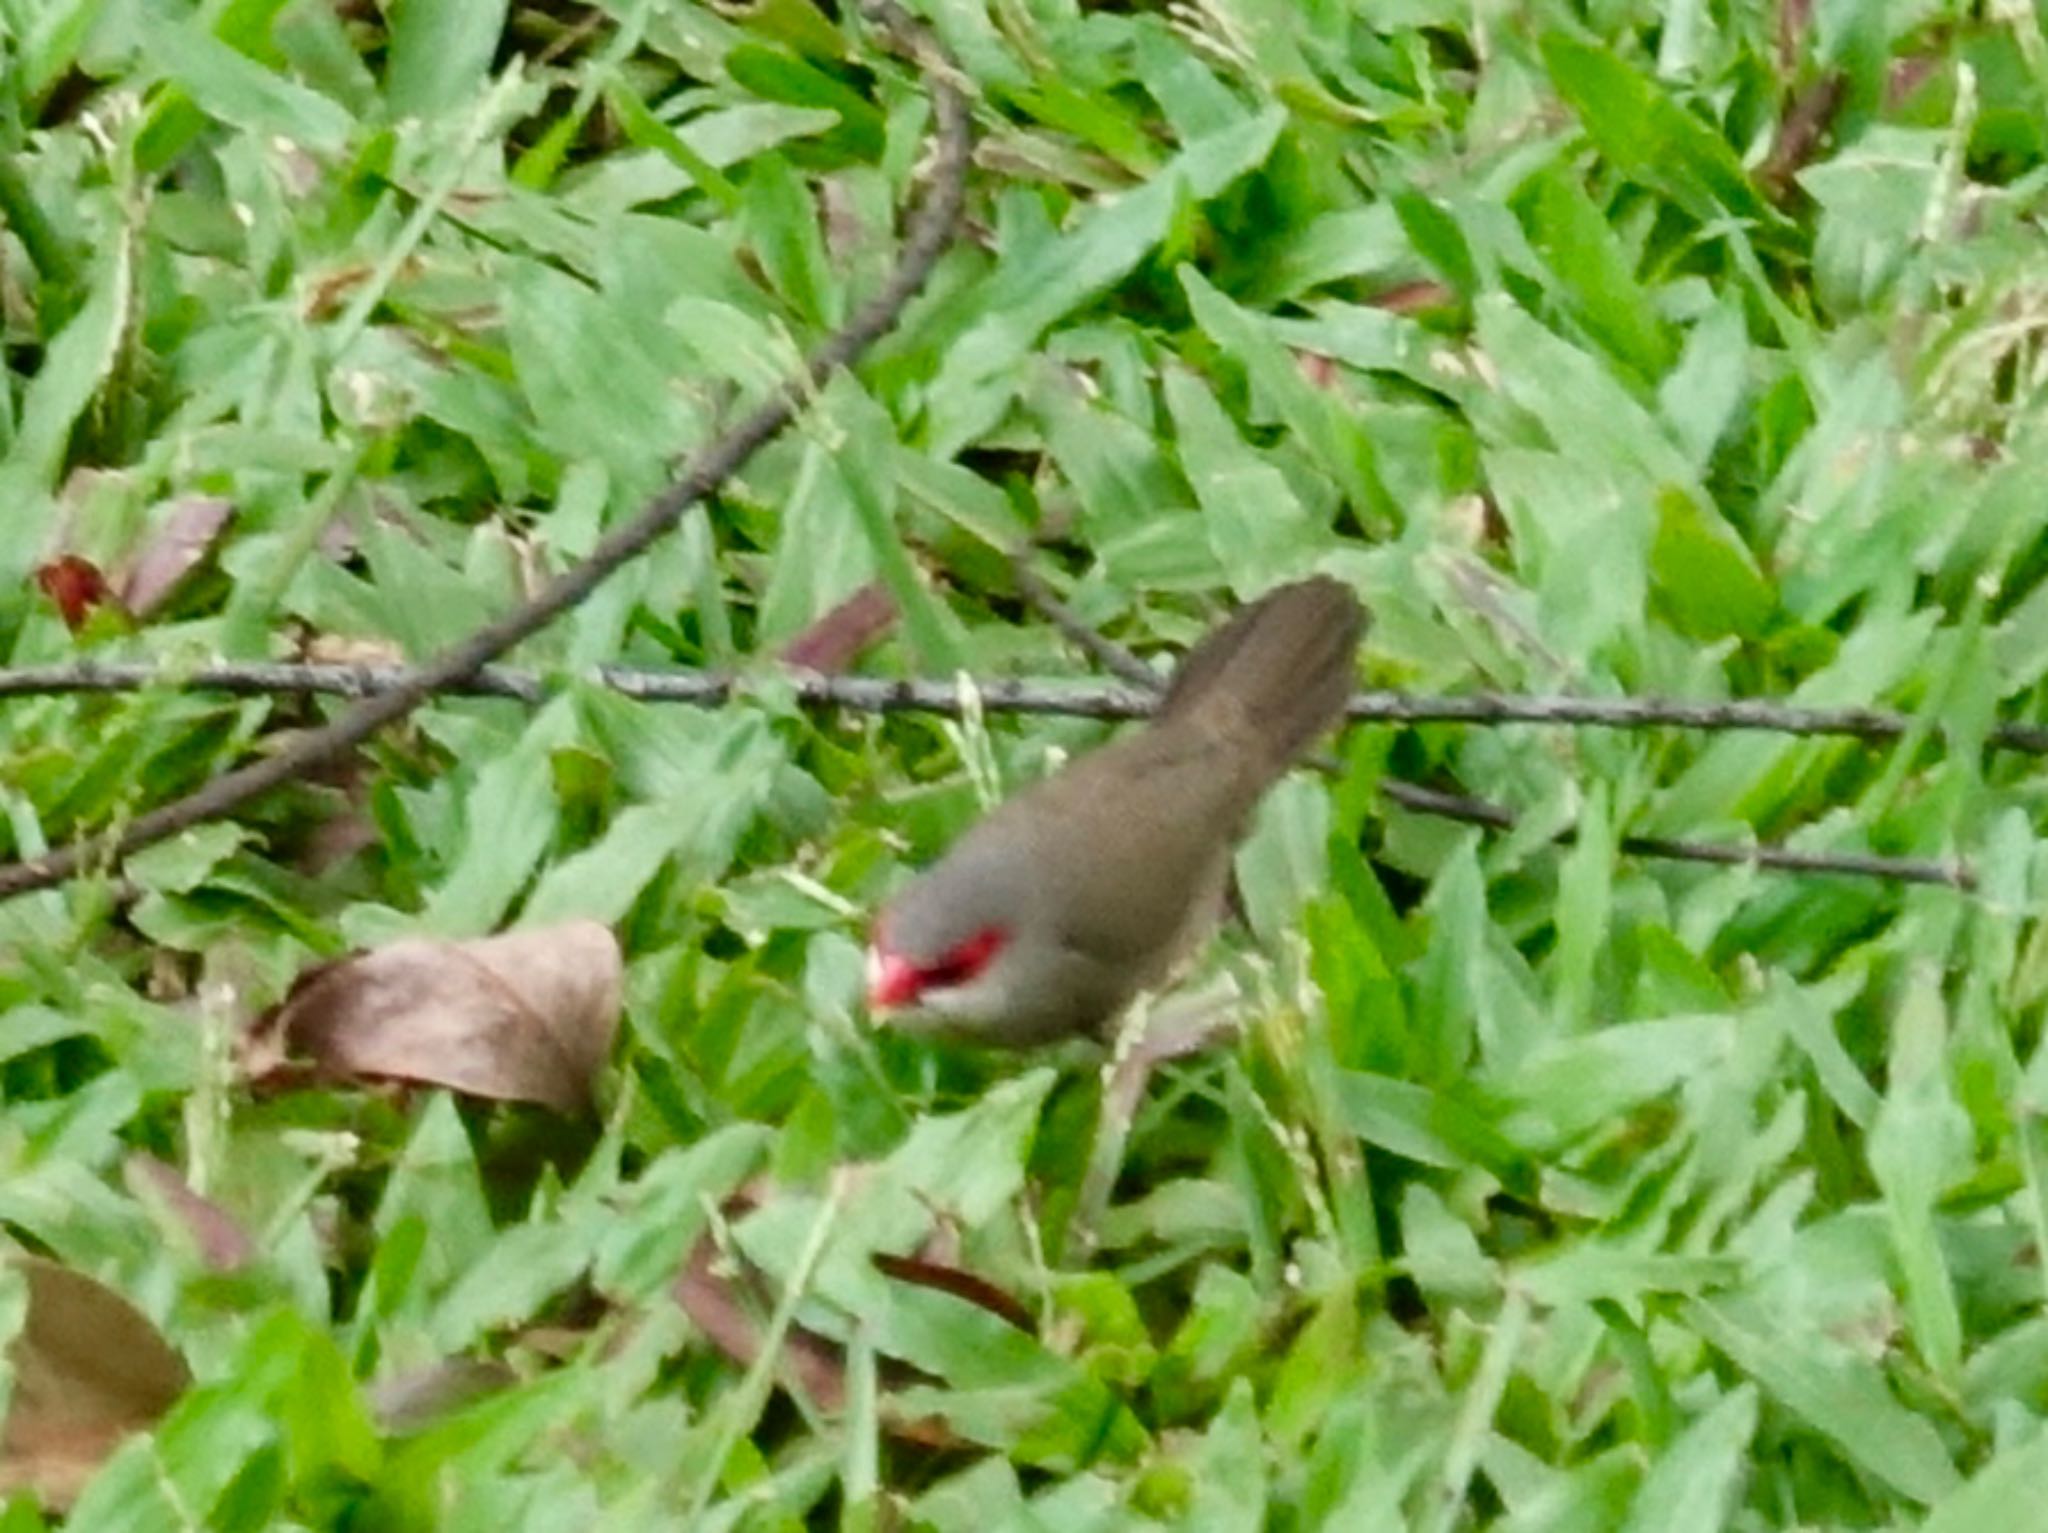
x,y
893,980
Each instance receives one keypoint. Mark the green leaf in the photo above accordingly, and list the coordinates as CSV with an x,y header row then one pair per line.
x,y
509,817
1259,531
1437,239
780,76
1568,1087
1698,397
235,90
439,54
1228,1469
1117,467
1591,1269
668,1206
698,828
51,42
1704,575
2002,1497
1024,297
596,385
1835,1392
434,1195
1648,136
650,132
1334,434
782,229
513,1278
1919,1144
1589,265
865,464
1431,1127
75,366
1691,1488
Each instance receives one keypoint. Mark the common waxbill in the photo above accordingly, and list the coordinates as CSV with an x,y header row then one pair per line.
x,y
1050,915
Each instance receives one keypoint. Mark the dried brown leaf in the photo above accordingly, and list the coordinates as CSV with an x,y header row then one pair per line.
x,y
89,1369
177,545
1414,297
1907,75
834,641
347,649
725,1298
222,1242
405,1402
846,232
1794,17
713,1301
1801,133
1320,371
527,1016
958,1282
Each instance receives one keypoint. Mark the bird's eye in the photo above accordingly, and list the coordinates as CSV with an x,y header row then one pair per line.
x,y
966,961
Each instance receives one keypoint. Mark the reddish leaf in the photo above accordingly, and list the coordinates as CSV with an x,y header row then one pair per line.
x,y
223,1244
88,1370
1907,76
1413,297
1317,369
527,1016
76,585
836,639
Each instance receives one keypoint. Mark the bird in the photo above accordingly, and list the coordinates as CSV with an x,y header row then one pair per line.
x,y
1050,915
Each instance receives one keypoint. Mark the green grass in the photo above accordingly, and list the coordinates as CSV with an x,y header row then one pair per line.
x,y
1548,1187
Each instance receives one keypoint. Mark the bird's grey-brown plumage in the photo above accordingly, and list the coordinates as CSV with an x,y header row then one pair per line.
x,y
1102,877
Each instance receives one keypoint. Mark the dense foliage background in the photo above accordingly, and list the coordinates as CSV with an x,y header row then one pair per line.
x,y
1630,347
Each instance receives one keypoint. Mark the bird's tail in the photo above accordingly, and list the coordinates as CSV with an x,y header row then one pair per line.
x,y
1278,673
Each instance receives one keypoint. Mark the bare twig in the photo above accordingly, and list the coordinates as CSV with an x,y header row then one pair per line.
x,y
1086,700
1419,799
870,694
930,231
1902,870
1666,712
1109,654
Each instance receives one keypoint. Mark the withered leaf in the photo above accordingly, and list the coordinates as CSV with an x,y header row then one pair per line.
x,y
727,1298
958,1282
717,1304
89,1369
527,1016
222,1242
1413,297
405,1402
176,545
834,641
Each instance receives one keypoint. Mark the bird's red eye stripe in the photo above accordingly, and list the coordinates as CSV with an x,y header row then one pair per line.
x,y
894,980
965,961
